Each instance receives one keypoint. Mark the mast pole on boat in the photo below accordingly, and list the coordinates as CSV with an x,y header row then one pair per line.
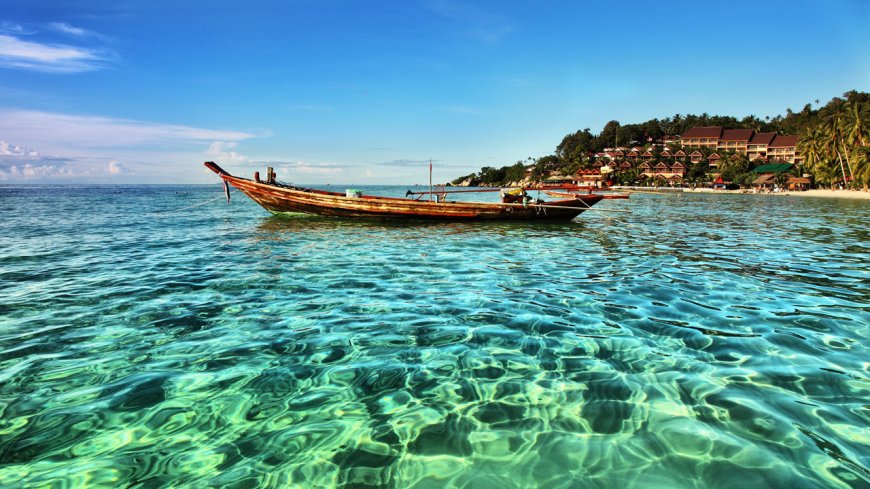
x,y
430,179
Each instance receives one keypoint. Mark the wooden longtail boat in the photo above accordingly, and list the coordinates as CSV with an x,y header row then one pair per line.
x,y
280,198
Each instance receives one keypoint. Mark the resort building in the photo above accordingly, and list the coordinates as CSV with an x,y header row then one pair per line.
x,y
766,146
783,148
702,137
591,177
757,147
713,160
735,140
663,171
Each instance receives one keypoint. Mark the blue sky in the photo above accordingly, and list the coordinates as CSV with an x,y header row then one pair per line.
x,y
333,91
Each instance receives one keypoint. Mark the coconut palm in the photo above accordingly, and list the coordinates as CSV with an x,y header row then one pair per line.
x,y
862,165
832,126
856,123
811,147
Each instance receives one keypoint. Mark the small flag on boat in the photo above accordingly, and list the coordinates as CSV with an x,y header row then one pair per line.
x,y
227,191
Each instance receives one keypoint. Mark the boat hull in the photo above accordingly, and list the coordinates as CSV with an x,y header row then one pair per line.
x,y
286,199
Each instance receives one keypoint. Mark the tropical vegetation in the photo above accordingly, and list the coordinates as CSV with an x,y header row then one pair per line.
x,y
832,144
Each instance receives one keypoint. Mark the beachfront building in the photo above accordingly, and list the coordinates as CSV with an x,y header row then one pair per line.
x,y
768,175
589,176
663,171
783,148
702,137
765,146
735,140
757,147
713,160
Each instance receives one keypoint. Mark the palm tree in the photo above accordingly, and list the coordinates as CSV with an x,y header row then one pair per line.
x,y
811,147
856,128
862,166
831,128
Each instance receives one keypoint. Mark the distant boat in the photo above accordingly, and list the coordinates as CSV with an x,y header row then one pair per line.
x,y
573,194
281,198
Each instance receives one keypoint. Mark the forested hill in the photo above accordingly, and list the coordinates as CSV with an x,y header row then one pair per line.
x,y
575,149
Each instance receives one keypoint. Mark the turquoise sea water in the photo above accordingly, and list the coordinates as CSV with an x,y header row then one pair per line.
x,y
702,341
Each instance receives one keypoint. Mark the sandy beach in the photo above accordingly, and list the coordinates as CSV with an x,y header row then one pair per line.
x,y
836,194
826,193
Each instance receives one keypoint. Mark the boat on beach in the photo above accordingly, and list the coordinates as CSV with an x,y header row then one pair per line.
x,y
280,198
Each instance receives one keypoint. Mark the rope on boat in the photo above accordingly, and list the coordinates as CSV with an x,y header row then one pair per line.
x,y
172,211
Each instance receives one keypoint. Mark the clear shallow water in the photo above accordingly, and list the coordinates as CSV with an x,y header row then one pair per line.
x,y
701,342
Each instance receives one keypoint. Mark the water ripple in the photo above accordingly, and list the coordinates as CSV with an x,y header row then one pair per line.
x,y
702,341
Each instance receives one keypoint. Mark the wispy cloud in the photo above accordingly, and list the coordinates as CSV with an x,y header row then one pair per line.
x,y
52,58
68,29
319,169
406,163
84,131
411,163
471,20
93,148
7,27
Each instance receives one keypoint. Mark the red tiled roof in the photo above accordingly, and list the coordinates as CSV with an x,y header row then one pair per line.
x,y
714,156
762,138
737,134
783,142
680,153
703,132
696,153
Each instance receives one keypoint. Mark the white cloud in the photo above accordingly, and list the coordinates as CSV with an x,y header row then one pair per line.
x,y
221,152
53,58
88,132
20,163
93,147
28,171
68,29
11,27
14,152
115,168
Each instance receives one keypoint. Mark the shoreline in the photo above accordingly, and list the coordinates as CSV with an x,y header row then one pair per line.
x,y
823,193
